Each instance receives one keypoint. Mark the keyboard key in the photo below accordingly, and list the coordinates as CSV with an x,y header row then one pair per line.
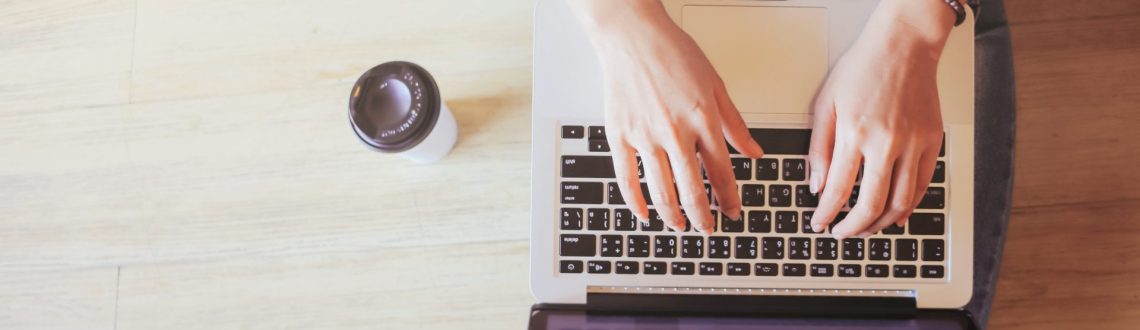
x,y
779,195
683,268
906,250
759,221
818,270
594,167
850,271
665,246
772,247
582,192
826,248
655,222
767,169
597,132
611,245
877,271
708,194
731,226
787,222
805,225
598,219
654,268
645,194
939,172
794,270
782,141
570,266
935,198
745,247
804,197
598,267
719,247
599,145
799,248
795,170
932,271
573,132
853,249
838,218
578,245
932,250
927,224
894,229
879,249
742,167
854,196
624,221
766,269
692,247
571,219
637,246
626,267
752,195
904,271
739,269
711,268
614,194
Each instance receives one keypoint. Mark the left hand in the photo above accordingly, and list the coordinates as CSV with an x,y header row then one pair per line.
x,y
880,107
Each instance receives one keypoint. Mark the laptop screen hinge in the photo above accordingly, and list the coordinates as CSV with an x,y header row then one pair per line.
x,y
752,301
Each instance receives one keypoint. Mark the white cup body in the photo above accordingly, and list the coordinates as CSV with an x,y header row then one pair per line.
x,y
439,141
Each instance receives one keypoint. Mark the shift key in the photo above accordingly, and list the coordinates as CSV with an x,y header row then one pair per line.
x,y
582,192
577,246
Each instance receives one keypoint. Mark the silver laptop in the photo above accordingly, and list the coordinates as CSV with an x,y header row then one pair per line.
x,y
588,250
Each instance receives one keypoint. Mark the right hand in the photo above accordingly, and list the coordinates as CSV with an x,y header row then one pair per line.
x,y
665,102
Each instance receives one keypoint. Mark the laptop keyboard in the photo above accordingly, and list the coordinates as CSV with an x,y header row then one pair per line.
x,y
599,236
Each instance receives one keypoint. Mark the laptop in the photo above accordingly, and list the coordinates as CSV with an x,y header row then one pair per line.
x,y
593,266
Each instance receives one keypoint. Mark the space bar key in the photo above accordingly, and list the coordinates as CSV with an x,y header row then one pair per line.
x,y
600,167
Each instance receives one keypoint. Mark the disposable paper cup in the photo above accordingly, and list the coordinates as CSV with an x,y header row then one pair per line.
x,y
395,107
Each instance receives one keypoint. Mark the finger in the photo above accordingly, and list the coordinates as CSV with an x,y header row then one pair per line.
x,y
718,166
734,128
659,178
625,169
872,196
840,179
691,188
922,180
822,141
902,193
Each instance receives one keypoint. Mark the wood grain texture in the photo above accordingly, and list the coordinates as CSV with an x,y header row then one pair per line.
x,y
188,164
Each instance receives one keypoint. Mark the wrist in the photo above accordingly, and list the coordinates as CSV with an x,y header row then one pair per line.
x,y
918,27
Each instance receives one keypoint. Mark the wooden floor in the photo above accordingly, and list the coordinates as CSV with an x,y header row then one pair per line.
x,y
187,164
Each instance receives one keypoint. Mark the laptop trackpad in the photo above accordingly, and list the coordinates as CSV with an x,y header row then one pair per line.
x,y
772,59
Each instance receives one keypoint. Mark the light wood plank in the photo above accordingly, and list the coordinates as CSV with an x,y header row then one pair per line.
x,y
195,48
256,175
64,54
468,286
75,299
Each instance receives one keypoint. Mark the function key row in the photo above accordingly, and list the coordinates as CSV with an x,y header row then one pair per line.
x,y
742,247
775,141
748,269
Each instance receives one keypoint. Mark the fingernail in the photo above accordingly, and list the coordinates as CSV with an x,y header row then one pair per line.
x,y
864,234
817,228
814,185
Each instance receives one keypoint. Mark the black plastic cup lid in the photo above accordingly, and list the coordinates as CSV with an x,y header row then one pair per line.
x,y
394,106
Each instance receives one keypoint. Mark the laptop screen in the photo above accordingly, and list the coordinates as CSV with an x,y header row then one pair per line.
x,y
574,320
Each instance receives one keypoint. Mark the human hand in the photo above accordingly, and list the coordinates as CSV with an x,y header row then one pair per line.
x,y
880,107
665,102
